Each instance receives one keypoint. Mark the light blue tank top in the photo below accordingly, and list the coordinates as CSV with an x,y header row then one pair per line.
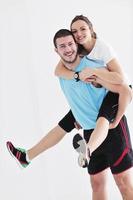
x,y
84,99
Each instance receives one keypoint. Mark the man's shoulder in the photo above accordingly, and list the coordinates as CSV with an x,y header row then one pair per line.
x,y
93,61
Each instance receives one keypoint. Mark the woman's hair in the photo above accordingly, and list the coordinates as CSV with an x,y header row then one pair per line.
x,y
81,49
85,19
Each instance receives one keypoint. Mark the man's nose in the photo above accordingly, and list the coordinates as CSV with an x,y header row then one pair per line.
x,y
68,49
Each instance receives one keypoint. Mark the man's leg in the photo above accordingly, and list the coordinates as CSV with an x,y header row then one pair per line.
x,y
65,125
121,159
98,168
23,157
48,141
124,181
99,186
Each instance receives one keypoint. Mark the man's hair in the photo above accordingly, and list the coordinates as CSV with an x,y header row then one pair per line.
x,y
61,33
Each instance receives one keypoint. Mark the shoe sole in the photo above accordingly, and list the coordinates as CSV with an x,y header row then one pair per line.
x,y
80,146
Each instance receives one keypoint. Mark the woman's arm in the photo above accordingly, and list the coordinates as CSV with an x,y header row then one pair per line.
x,y
102,73
114,66
113,74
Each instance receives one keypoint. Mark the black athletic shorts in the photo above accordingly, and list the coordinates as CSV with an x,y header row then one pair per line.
x,y
115,152
109,106
108,110
67,122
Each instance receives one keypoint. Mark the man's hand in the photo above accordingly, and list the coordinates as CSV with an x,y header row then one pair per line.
x,y
77,125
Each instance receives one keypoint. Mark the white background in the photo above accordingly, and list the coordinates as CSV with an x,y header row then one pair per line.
x,y
31,102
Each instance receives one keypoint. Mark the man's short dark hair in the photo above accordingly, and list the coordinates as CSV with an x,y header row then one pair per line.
x,y
61,33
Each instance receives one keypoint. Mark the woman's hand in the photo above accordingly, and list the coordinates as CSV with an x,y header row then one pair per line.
x,y
85,74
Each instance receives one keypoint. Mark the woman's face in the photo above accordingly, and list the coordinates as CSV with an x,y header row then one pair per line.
x,y
81,32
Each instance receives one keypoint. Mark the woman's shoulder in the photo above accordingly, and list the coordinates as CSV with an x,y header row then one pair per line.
x,y
102,51
101,43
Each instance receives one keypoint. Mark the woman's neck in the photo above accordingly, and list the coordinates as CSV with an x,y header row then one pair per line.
x,y
89,45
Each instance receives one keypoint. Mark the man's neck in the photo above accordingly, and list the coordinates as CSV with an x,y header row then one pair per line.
x,y
73,65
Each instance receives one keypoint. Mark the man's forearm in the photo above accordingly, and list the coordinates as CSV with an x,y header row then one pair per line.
x,y
63,72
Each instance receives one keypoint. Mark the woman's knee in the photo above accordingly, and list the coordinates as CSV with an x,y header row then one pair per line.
x,y
125,90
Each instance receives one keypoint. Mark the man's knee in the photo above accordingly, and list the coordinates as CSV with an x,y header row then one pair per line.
x,y
124,182
98,182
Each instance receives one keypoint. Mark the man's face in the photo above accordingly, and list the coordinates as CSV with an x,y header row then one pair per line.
x,y
67,49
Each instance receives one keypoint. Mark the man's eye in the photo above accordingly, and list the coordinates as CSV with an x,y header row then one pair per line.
x,y
83,29
74,32
62,47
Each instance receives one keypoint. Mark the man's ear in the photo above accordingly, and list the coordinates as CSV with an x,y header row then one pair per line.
x,y
56,50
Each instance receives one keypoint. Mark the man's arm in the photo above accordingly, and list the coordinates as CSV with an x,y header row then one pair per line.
x,y
62,71
102,73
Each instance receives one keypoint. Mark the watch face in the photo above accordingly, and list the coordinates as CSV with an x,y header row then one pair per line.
x,y
75,75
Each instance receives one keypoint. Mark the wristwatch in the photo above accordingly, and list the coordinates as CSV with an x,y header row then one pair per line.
x,y
76,76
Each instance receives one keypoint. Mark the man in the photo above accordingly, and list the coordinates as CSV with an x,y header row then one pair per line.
x,y
85,101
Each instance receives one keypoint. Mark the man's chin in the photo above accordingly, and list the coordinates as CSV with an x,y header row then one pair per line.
x,y
70,61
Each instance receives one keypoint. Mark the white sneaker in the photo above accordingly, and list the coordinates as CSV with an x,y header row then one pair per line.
x,y
79,145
